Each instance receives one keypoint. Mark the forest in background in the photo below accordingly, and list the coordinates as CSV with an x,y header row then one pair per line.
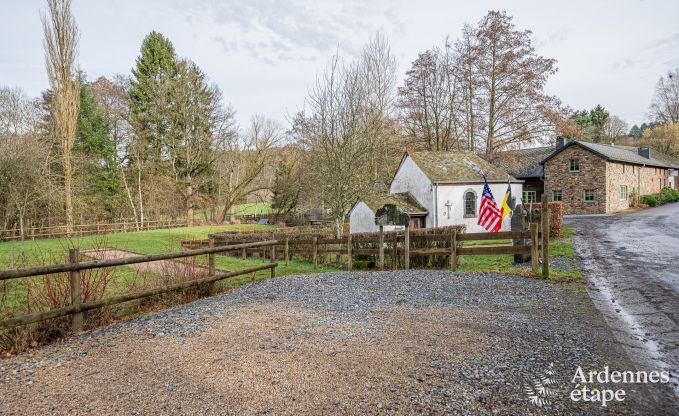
x,y
162,142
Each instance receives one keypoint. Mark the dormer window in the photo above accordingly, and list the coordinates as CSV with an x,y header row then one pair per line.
x,y
574,165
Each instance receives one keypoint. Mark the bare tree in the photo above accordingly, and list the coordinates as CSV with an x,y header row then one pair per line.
x,y
346,131
615,128
512,76
665,105
241,161
61,48
429,101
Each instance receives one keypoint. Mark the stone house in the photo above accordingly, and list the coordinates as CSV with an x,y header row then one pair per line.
x,y
438,189
592,178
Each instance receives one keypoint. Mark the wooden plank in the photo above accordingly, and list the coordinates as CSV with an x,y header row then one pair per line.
x,y
211,266
350,254
68,310
287,251
534,247
502,235
545,236
314,255
76,292
96,264
430,252
381,248
482,250
453,250
406,259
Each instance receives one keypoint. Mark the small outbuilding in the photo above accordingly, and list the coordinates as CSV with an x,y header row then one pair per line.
x,y
362,214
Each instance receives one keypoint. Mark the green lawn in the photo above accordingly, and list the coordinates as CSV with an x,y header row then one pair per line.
x,y
504,263
253,208
159,241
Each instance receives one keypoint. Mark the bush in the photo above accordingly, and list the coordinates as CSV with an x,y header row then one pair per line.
x,y
669,195
650,200
556,217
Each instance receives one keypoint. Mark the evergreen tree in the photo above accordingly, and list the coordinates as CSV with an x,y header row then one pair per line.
x,y
152,77
635,131
101,185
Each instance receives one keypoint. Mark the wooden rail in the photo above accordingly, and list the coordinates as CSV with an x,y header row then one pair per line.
x,y
74,267
402,245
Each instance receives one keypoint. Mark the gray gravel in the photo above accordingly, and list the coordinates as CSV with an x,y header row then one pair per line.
x,y
472,342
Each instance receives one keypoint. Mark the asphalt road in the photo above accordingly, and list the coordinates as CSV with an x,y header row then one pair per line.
x,y
632,264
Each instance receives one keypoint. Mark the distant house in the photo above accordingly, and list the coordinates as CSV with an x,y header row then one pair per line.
x,y
438,189
590,178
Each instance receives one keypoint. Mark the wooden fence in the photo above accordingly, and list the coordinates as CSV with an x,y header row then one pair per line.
x,y
432,246
35,233
75,266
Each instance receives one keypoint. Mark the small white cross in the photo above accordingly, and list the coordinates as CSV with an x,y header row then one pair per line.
x,y
448,207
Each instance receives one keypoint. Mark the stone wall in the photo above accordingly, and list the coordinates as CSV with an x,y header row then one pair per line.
x,y
592,175
604,177
651,180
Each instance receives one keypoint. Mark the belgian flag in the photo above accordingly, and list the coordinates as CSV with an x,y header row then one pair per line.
x,y
508,202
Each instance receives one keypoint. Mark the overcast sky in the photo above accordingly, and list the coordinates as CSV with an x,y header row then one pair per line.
x,y
265,54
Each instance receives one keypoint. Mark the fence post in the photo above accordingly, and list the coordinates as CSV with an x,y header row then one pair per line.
x,y
534,246
350,259
273,260
453,250
287,250
314,255
545,236
394,253
76,291
211,266
244,253
406,245
381,247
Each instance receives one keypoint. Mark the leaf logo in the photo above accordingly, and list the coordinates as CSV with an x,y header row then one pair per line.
x,y
540,389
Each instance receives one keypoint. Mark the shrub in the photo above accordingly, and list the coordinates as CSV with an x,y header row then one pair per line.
x,y
556,217
669,195
650,200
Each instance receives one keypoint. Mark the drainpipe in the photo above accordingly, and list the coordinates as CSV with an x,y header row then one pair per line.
x,y
436,207
639,184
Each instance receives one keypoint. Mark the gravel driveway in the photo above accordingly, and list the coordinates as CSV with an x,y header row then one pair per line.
x,y
632,264
337,343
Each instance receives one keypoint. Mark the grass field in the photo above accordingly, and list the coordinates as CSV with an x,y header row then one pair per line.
x,y
158,241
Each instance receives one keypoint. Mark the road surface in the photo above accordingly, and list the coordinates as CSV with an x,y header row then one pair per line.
x,y
632,264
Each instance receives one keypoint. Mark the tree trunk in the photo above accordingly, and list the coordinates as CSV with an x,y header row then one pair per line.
x,y
189,205
68,191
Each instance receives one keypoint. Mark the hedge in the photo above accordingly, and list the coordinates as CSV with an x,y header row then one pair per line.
x,y
663,197
556,218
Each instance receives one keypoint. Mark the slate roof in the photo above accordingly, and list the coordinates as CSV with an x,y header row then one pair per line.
x,y
615,153
524,163
403,201
666,159
453,167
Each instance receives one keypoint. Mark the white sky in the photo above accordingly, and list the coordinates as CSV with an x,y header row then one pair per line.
x,y
265,54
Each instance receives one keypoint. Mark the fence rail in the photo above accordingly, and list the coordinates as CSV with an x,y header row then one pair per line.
x,y
401,246
76,308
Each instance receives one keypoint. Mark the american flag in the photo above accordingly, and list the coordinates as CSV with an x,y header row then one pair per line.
x,y
490,216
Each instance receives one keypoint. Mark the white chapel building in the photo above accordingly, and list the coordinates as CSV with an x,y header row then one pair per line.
x,y
438,189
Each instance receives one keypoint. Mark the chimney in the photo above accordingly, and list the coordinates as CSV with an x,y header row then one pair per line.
x,y
644,152
560,142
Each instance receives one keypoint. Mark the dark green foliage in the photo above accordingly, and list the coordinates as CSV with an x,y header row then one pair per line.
x,y
635,131
97,153
592,123
156,68
666,195
650,200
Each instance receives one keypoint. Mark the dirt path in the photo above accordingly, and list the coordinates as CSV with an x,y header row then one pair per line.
x,y
633,278
157,267
402,342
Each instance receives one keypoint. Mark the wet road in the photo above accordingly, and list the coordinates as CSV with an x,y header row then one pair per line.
x,y
632,265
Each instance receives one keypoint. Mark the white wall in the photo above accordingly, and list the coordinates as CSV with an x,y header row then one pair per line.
x,y
455,194
410,178
362,220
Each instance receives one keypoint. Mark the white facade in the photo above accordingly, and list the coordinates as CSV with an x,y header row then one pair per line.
x,y
450,204
445,202
410,178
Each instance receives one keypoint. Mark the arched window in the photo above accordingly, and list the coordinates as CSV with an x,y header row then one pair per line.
x,y
469,203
